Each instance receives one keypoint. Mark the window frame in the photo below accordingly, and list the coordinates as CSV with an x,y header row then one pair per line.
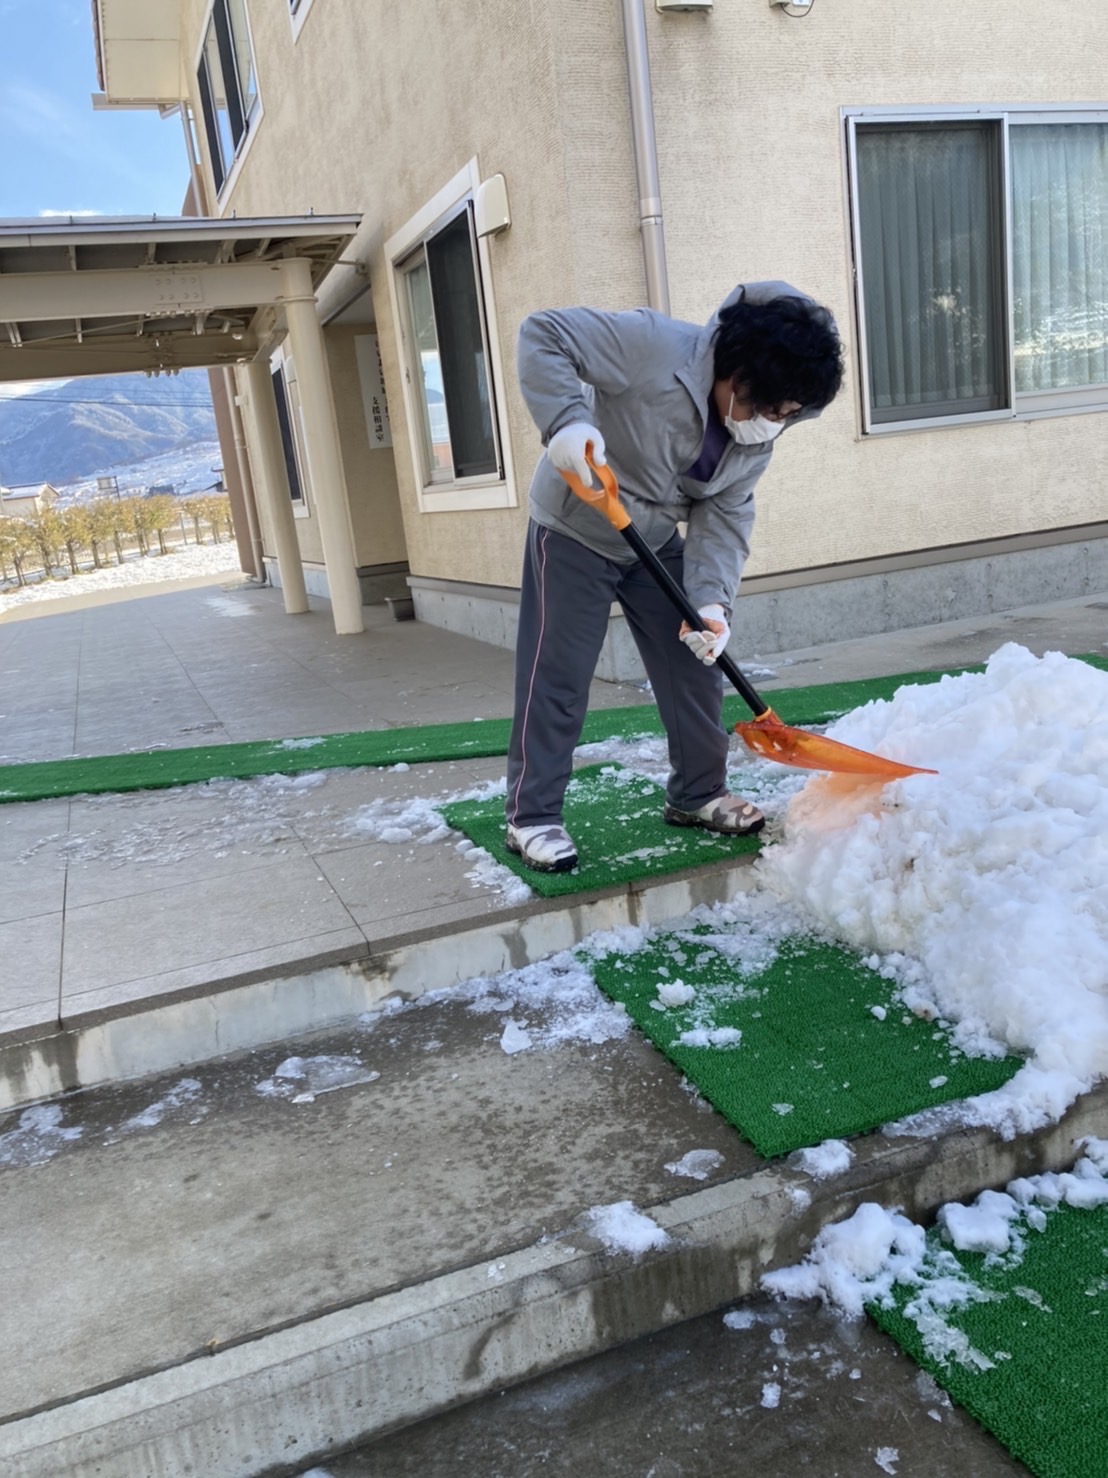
x,y
450,494
224,173
282,373
1020,405
298,14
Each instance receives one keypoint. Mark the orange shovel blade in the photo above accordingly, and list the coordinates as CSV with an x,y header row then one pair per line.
x,y
773,740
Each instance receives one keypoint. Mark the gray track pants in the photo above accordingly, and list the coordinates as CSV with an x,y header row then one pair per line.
x,y
563,620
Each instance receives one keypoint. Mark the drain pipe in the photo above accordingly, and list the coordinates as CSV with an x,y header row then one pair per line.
x,y
646,155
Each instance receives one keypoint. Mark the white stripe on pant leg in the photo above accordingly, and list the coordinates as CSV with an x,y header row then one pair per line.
x,y
531,684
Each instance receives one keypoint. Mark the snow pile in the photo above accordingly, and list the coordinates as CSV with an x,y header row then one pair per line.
x,y
418,819
982,890
858,1261
855,1261
411,819
543,1005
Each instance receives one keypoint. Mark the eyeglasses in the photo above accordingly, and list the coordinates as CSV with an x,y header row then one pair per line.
x,y
783,412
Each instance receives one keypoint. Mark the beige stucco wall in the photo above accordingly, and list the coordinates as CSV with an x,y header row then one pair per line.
x,y
377,106
370,472
750,141
374,109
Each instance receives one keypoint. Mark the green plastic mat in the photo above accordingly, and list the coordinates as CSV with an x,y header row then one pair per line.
x,y
808,1047
159,769
615,818
1042,1328
422,744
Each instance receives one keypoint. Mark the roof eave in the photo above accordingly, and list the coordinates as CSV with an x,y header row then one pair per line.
x,y
138,52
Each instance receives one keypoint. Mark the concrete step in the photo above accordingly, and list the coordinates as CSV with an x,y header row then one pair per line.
x,y
778,1389
242,1283
143,1032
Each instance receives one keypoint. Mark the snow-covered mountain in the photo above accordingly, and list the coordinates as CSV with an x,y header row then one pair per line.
x,y
192,469
96,424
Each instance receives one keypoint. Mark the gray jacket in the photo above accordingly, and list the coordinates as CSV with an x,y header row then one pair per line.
x,y
644,381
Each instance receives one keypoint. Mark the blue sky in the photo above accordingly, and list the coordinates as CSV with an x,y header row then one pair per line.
x,y
58,154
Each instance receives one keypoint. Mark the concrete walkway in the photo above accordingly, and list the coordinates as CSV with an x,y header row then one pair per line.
x,y
240,1283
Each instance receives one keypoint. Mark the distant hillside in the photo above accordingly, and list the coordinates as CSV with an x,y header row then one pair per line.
x,y
87,425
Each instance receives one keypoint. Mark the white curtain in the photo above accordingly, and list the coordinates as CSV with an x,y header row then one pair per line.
x,y
929,207
1060,254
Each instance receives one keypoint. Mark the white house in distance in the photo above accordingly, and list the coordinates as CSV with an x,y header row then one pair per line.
x,y
27,499
937,174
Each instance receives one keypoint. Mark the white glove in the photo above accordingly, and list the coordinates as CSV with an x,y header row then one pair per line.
x,y
566,449
707,645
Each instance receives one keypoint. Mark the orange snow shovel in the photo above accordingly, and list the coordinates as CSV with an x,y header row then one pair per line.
x,y
765,734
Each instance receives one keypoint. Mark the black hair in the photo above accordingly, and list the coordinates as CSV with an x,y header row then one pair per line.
x,y
786,349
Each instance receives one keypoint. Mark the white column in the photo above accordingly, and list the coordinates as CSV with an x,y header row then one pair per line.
x,y
322,438
274,484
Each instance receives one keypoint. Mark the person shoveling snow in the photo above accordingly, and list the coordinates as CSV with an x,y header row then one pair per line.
x,y
983,890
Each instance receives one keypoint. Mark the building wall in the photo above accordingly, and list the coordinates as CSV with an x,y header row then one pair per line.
x,y
411,94
376,106
370,473
750,140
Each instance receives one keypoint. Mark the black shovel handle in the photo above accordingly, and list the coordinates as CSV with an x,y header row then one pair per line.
x,y
685,606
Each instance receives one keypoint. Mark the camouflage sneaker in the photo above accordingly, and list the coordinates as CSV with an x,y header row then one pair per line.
x,y
546,848
729,815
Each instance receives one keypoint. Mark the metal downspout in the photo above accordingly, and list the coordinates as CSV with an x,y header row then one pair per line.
x,y
646,155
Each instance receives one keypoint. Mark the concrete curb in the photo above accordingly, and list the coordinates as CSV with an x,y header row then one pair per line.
x,y
156,1033
278,1402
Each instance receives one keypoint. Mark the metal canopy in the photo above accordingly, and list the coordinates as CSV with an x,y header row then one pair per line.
x,y
111,295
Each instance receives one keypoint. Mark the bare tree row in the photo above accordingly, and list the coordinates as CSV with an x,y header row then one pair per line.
x,y
65,539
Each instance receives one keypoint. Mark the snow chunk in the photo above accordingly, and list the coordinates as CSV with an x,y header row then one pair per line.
x,y
986,1226
675,993
711,1036
854,1261
515,1037
821,1161
740,1319
622,1228
303,1079
696,1164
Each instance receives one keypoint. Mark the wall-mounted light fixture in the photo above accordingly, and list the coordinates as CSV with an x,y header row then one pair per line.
x,y
793,7
664,5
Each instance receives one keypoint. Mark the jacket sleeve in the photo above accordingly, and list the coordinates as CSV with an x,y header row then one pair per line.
x,y
562,347
717,541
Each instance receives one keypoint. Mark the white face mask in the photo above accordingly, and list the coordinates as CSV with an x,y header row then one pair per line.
x,y
754,431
